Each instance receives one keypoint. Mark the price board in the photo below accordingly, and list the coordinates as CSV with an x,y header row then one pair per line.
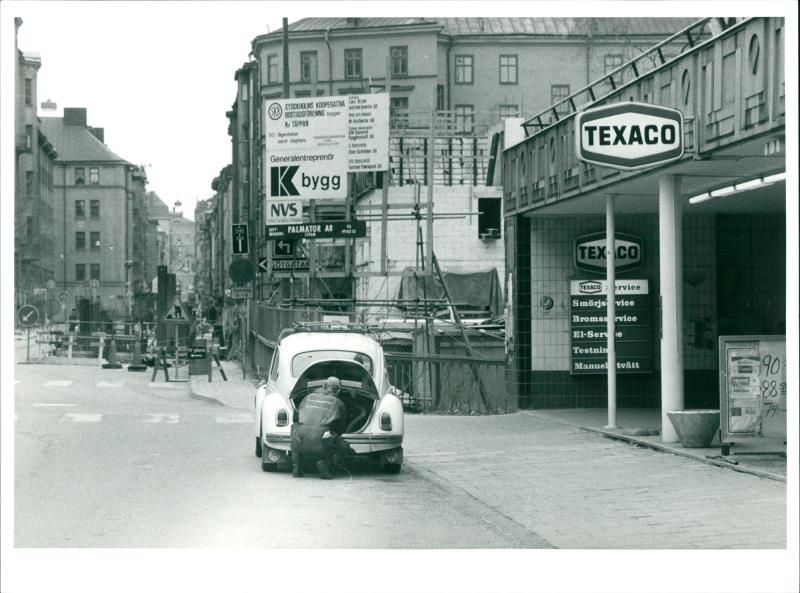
x,y
589,327
752,387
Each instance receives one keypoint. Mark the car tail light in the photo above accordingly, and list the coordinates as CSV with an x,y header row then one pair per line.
x,y
386,421
282,417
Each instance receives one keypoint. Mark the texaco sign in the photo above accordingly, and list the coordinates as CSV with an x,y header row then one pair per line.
x,y
629,135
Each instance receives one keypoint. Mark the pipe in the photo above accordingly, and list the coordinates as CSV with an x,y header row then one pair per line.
x,y
330,61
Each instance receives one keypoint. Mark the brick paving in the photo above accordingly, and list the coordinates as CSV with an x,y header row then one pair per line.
x,y
573,488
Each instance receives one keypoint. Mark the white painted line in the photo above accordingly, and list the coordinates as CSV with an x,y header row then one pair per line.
x,y
66,383
163,385
160,419
107,384
45,405
79,417
234,418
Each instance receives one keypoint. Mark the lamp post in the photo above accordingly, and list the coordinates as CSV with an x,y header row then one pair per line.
x,y
129,287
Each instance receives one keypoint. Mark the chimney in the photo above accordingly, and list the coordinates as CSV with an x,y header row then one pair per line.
x,y
98,133
75,116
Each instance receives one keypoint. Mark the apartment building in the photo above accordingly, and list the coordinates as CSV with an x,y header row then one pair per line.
x,y
101,231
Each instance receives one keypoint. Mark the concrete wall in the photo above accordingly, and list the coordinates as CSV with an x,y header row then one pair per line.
x,y
456,243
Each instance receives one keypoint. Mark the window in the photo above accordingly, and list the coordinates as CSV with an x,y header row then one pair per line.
x,y
272,68
94,209
440,97
302,361
28,136
611,62
465,119
557,93
28,92
28,183
508,69
94,241
399,57
80,175
352,63
489,217
80,209
94,271
308,65
398,112
80,271
463,69
245,91
80,240
94,175
509,111
273,373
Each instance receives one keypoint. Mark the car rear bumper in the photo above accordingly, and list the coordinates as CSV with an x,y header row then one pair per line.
x,y
360,443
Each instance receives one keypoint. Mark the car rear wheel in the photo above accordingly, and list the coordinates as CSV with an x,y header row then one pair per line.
x,y
258,446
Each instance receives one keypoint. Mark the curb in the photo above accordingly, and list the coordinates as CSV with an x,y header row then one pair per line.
x,y
675,451
209,398
663,448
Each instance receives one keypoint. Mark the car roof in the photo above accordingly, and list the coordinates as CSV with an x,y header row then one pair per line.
x,y
327,340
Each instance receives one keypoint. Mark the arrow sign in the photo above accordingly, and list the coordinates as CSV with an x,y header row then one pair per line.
x,y
27,315
240,242
284,248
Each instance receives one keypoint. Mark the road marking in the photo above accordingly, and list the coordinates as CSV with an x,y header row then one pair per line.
x,y
47,405
66,383
79,417
234,418
107,384
160,419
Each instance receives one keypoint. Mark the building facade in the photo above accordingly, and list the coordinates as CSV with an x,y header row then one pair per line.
x,y
34,247
713,266
102,227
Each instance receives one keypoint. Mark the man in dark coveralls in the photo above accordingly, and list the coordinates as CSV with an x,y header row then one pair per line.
x,y
320,419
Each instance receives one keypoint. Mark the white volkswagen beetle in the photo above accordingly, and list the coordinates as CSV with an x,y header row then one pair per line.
x,y
304,358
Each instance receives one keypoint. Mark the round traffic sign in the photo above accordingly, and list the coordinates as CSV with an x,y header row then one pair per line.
x,y
28,315
241,270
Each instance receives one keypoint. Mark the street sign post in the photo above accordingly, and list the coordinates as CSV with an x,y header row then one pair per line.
x,y
242,292
28,316
283,248
334,229
284,265
240,239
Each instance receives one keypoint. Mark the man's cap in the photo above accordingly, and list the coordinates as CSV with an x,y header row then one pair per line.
x,y
333,383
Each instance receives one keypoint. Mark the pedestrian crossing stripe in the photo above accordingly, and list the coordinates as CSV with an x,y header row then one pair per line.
x,y
58,383
161,419
54,405
81,417
108,384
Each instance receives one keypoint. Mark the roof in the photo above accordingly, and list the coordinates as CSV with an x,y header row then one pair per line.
x,y
156,208
304,341
547,26
77,143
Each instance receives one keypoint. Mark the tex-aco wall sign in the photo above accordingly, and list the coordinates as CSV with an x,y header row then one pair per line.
x,y
629,135
591,252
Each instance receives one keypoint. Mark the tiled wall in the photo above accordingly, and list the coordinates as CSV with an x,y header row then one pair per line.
x,y
551,249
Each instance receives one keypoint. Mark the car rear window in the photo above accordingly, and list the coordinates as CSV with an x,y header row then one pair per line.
x,y
302,361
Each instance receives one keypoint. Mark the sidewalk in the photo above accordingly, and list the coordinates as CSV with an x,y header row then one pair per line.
x,y
239,393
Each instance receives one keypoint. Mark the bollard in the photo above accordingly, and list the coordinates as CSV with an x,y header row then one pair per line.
x,y
69,352
112,357
101,347
136,364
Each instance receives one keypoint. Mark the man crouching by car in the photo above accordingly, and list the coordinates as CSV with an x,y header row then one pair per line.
x,y
319,420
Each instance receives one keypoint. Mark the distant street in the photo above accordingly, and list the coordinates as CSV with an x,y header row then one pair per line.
x,y
105,459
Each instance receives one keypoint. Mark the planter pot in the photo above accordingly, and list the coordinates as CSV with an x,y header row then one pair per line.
x,y
695,428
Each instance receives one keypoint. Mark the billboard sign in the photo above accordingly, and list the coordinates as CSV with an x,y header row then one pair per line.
x,y
333,229
629,135
368,133
284,211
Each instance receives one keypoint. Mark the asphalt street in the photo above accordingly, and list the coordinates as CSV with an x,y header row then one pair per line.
x,y
107,459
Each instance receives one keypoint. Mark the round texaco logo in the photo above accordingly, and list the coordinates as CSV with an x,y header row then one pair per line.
x,y
275,111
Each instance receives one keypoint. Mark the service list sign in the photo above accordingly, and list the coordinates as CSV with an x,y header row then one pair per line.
x,y
589,329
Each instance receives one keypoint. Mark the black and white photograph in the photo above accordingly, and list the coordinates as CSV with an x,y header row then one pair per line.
x,y
399,296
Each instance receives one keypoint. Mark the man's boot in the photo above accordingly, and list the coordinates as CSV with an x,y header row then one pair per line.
x,y
324,470
297,466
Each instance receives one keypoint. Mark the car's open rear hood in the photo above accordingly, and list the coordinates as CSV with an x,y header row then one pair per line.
x,y
354,377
